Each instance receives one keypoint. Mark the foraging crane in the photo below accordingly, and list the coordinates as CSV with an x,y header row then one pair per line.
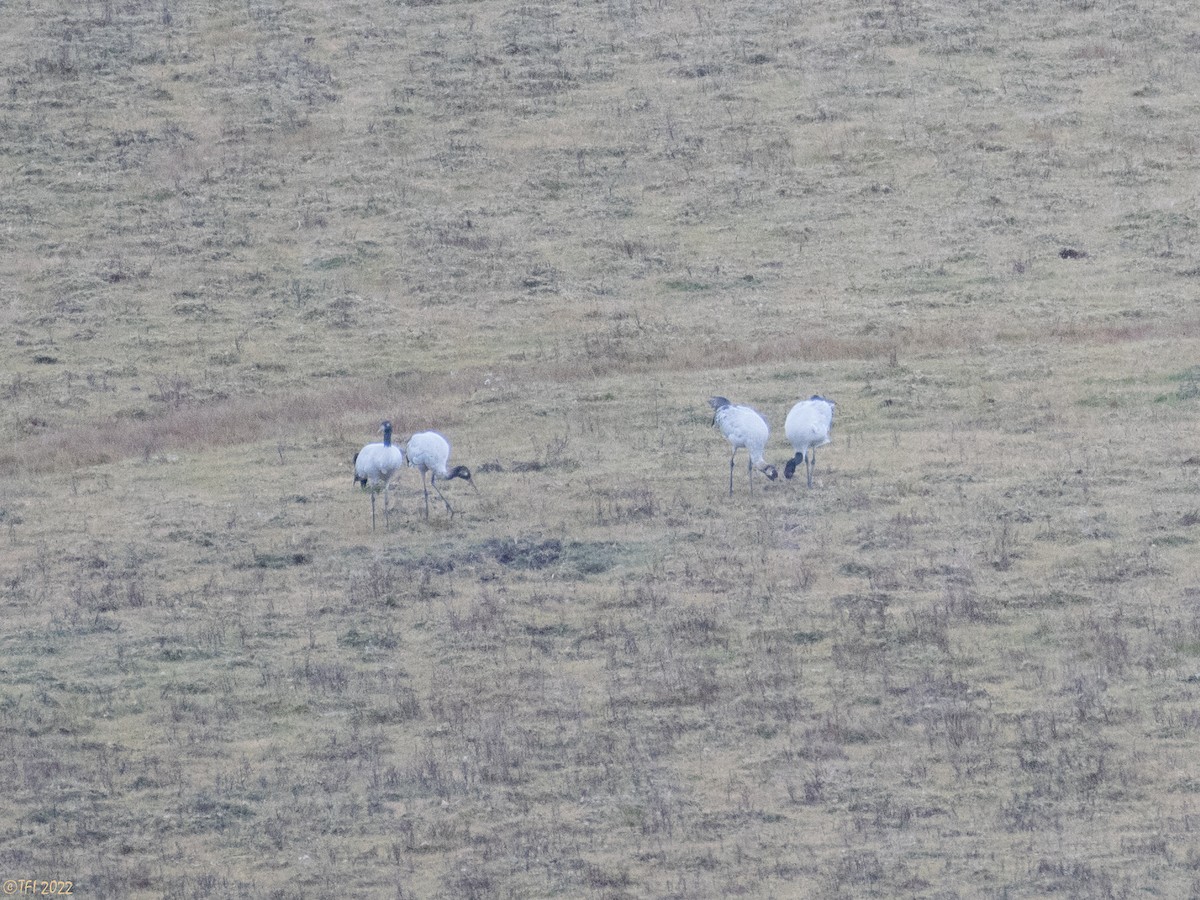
x,y
807,427
429,452
744,428
374,466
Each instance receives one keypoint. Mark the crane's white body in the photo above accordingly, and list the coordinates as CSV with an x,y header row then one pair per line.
x,y
374,466
807,427
429,452
743,427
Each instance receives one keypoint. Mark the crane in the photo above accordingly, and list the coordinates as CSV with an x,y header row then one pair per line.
x,y
807,427
743,427
429,452
374,466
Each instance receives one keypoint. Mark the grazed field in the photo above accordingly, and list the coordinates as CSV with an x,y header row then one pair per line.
x,y
235,236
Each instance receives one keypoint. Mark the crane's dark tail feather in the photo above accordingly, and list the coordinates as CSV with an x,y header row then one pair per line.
x,y
790,469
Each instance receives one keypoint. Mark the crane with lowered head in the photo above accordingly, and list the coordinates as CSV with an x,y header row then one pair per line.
x,y
429,452
743,427
808,426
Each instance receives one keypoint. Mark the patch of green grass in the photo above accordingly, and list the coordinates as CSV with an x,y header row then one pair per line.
x,y
1174,540
686,287
330,262
1188,383
280,560
805,638
574,557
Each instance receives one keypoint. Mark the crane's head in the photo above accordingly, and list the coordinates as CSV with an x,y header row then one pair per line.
x,y
789,469
462,472
770,471
718,404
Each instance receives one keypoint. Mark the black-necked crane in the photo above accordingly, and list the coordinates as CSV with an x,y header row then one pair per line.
x,y
743,427
374,466
807,427
430,452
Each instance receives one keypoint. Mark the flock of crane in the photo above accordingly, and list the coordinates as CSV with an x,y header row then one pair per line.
x,y
807,427
428,452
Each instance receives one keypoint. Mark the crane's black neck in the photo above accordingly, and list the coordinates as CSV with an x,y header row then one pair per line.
x,y
387,434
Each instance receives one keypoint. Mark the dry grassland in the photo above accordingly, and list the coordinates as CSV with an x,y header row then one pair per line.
x,y
234,236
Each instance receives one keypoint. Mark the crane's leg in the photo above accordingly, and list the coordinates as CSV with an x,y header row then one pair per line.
x,y
449,508
750,472
372,510
811,464
387,512
731,456
426,489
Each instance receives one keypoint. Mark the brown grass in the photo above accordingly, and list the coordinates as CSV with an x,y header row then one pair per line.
x,y
237,237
